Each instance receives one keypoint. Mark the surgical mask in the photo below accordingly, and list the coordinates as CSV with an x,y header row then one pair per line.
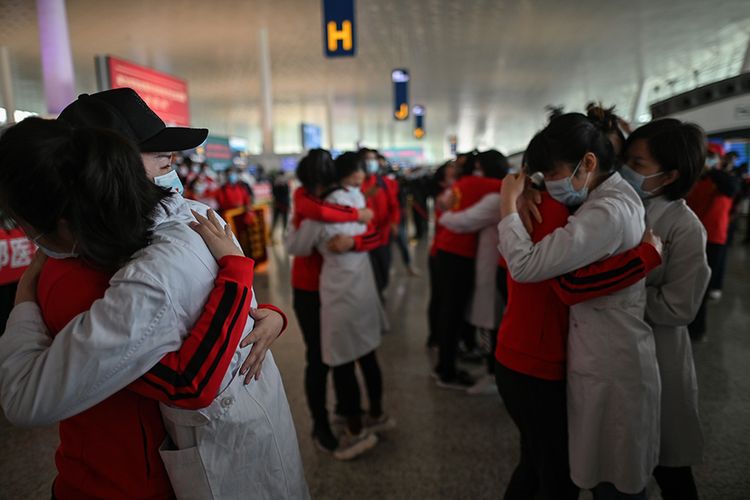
x,y
712,162
232,178
52,254
373,166
563,191
196,169
478,173
170,181
636,180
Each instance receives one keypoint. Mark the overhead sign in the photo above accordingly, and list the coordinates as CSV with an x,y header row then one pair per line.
x,y
165,94
218,152
400,79
16,252
339,33
453,143
419,112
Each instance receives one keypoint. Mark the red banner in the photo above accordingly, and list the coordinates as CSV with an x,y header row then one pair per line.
x,y
16,252
165,94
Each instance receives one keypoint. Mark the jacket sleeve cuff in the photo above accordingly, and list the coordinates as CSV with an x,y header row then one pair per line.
x,y
237,268
283,316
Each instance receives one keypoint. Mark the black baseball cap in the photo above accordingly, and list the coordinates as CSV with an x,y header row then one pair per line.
x,y
123,111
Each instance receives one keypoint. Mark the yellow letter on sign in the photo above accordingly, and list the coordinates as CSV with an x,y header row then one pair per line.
x,y
344,35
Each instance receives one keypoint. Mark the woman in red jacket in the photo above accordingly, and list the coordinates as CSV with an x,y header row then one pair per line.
x,y
111,450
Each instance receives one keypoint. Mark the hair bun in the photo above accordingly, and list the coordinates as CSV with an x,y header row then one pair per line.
x,y
604,118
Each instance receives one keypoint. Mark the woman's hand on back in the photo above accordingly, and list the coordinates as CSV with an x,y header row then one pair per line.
x,y
26,291
219,240
653,240
528,209
513,186
268,326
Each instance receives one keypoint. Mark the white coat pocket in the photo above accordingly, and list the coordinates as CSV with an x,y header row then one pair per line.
x,y
185,470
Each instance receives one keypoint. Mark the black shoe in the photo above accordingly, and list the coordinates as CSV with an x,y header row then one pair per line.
x,y
460,381
325,440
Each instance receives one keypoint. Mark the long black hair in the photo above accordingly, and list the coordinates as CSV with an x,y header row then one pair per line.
x,y
346,164
567,138
315,169
93,179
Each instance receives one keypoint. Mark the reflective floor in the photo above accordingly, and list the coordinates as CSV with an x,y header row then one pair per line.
x,y
450,445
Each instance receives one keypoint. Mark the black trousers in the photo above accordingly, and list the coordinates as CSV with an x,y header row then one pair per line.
x,y
347,386
7,299
676,483
455,276
717,261
502,288
538,409
434,305
380,258
307,308
280,214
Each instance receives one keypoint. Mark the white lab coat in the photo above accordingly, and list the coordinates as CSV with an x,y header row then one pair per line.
x,y
149,307
485,308
675,292
351,316
612,374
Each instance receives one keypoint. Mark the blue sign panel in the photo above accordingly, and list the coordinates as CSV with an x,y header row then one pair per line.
x,y
339,33
419,112
311,136
400,79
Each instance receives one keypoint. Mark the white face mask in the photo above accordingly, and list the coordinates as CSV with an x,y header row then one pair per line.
x,y
170,181
52,254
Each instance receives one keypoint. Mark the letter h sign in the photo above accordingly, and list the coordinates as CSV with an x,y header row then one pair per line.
x,y
339,28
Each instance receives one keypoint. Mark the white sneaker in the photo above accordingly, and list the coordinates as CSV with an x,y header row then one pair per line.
x,y
351,446
379,424
485,386
714,295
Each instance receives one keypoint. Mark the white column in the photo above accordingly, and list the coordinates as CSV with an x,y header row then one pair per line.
x,y
639,104
266,93
6,85
746,60
329,120
57,61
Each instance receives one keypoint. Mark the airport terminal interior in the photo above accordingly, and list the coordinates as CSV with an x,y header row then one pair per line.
x,y
340,134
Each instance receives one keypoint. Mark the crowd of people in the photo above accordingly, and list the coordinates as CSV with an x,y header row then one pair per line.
x,y
579,281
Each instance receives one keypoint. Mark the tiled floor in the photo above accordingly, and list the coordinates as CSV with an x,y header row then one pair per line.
x,y
449,445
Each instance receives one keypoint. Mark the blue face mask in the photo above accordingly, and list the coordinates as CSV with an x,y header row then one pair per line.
x,y
636,180
373,166
53,254
170,181
563,191
232,178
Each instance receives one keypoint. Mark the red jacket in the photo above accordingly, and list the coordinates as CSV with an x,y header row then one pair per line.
x,y
381,194
232,196
111,449
467,191
712,208
306,270
533,335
